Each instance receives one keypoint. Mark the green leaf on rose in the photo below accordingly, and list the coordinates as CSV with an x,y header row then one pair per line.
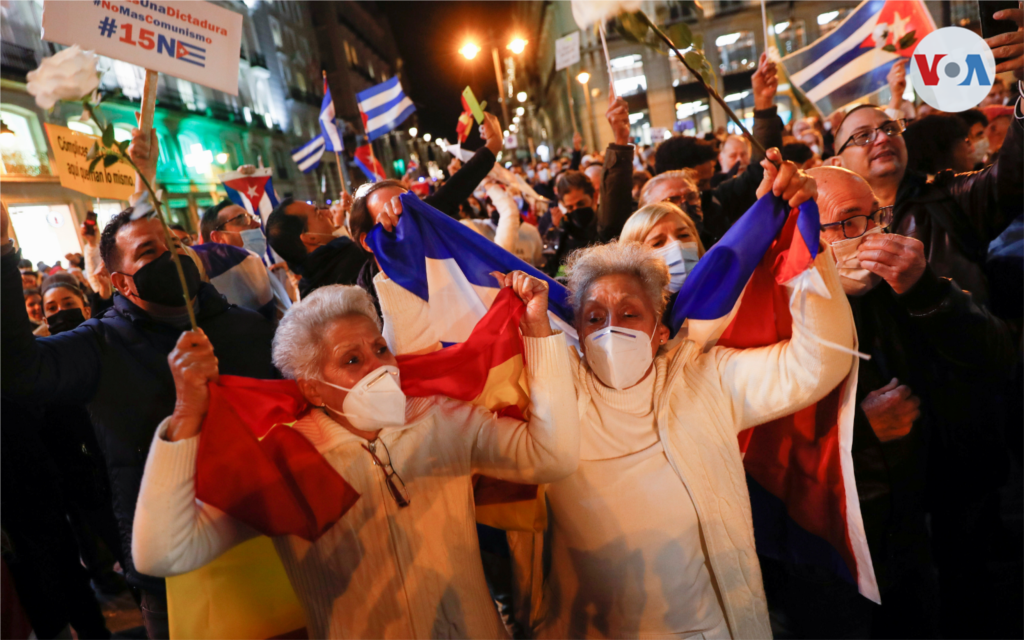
x,y
633,28
907,40
93,150
109,159
694,59
123,145
108,135
679,34
698,41
95,161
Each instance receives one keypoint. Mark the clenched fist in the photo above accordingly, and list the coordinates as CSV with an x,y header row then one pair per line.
x,y
891,410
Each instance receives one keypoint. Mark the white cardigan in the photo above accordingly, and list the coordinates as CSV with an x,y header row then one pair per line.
x,y
382,571
706,399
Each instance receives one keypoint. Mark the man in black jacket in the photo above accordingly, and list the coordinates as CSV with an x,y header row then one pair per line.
x,y
303,235
928,341
116,364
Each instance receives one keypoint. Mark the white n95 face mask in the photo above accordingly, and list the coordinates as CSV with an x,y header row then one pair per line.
x,y
618,356
856,280
681,259
374,402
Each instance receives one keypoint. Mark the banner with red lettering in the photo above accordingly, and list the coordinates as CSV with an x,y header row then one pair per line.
x,y
195,41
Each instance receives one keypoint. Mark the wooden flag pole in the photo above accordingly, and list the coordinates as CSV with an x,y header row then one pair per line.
x,y
572,104
148,102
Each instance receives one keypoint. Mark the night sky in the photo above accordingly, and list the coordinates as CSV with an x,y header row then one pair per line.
x,y
429,36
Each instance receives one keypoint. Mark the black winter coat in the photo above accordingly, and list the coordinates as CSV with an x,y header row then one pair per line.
x,y
116,365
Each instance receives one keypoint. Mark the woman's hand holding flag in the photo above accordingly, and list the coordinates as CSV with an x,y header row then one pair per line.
x,y
534,292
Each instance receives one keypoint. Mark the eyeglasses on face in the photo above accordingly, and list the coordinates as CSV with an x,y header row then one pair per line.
x,y
892,129
394,482
245,216
856,226
692,209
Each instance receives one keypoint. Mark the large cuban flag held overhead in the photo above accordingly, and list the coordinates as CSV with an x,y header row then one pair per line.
x,y
383,108
800,467
851,62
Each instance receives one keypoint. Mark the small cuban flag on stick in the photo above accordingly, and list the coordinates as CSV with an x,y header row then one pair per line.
x,y
329,130
308,155
383,108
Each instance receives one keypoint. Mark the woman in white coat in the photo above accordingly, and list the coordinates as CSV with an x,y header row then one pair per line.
x,y
404,561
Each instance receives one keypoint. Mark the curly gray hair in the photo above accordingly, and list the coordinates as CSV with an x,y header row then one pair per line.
x,y
585,266
298,348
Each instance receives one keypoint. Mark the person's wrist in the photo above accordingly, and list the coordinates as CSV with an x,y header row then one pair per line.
x,y
537,329
184,424
763,102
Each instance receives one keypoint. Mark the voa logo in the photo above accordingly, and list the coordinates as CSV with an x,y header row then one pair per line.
x,y
952,69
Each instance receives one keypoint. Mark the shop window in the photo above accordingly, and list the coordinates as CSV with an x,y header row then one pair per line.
x,y
736,51
790,37
628,75
830,20
22,144
45,232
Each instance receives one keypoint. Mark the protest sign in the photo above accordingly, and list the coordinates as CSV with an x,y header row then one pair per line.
x,y
70,148
195,41
567,50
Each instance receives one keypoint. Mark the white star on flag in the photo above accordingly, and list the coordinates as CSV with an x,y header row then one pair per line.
x,y
252,191
899,28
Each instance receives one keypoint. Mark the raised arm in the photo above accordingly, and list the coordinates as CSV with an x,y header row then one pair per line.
x,y
461,185
65,366
615,203
172,532
766,383
509,219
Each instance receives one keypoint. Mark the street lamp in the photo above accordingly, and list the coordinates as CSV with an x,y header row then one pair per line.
x,y
521,96
584,79
517,46
426,137
413,131
469,50
520,111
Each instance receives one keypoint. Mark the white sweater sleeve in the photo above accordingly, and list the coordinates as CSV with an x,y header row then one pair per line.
x,y
546,447
766,383
407,324
508,218
174,533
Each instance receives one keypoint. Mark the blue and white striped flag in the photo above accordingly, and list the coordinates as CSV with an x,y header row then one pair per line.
x,y
328,124
851,62
308,155
383,108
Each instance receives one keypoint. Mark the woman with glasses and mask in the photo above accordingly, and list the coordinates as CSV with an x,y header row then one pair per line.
x,y
404,562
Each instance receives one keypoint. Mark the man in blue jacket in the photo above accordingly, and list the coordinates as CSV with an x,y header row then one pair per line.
x,y
116,363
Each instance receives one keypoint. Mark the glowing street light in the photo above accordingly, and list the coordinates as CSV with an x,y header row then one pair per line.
x,y
583,78
520,111
199,159
521,96
469,50
413,131
222,158
426,137
518,45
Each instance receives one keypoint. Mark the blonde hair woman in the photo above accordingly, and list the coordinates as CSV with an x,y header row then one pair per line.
x,y
666,229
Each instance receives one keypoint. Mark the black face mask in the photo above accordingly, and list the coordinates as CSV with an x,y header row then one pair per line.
x,y
64,320
579,219
158,281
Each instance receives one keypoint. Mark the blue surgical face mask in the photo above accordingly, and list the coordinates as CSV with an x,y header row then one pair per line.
x,y
255,241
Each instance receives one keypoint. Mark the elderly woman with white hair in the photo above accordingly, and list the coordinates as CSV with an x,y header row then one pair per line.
x,y
652,536
404,562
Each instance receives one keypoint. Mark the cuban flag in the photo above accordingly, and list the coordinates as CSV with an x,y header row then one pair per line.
x,y
308,155
383,108
328,124
254,193
799,467
850,63
368,163
449,266
240,276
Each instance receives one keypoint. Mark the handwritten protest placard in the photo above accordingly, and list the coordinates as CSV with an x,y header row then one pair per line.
x,y
195,41
70,150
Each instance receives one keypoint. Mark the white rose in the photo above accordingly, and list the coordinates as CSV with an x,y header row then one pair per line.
x,y
880,34
589,12
69,75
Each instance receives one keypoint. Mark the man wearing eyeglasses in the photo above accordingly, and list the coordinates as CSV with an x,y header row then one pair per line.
x,y
956,216
924,335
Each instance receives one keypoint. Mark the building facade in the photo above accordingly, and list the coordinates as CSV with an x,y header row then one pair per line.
x,y
662,96
201,132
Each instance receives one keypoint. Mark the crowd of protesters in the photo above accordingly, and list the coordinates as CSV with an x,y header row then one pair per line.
x,y
649,527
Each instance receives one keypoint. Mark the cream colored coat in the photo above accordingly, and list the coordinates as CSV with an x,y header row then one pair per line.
x,y
706,401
